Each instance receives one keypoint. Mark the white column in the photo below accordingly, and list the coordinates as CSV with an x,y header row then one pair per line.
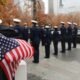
x,y
51,6
21,73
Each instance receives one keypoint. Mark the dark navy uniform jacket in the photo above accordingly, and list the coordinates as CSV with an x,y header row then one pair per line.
x,y
47,36
55,36
74,32
25,34
7,31
35,35
63,33
3,27
69,32
18,30
42,36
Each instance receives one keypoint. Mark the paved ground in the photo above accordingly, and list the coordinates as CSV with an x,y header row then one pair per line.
x,y
34,77
63,67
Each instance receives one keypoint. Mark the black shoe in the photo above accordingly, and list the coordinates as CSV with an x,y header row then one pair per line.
x,y
55,54
35,61
62,51
69,49
46,57
74,47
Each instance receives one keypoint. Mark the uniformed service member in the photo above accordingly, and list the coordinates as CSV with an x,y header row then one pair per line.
x,y
17,28
63,36
55,37
4,30
2,27
47,39
35,40
74,34
25,32
42,35
69,35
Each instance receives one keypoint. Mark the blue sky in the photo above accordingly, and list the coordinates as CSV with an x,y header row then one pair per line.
x,y
68,4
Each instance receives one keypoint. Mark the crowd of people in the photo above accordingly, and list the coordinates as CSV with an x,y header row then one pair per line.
x,y
47,34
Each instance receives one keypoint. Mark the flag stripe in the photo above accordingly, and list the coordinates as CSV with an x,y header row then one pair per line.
x,y
6,69
30,49
24,52
20,52
26,48
15,54
11,68
8,57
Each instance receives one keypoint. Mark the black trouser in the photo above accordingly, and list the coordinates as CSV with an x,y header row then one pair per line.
x,y
47,51
69,44
74,42
43,42
63,45
36,53
55,43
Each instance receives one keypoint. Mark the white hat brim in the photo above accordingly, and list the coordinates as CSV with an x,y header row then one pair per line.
x,y
46,26
75,23
69,22
0,21
62,22
17,20
34,21
55,26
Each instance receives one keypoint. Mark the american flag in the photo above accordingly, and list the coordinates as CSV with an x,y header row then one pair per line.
x,y
12,51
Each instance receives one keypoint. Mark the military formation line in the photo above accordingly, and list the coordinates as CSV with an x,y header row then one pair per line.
x,y
45,34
